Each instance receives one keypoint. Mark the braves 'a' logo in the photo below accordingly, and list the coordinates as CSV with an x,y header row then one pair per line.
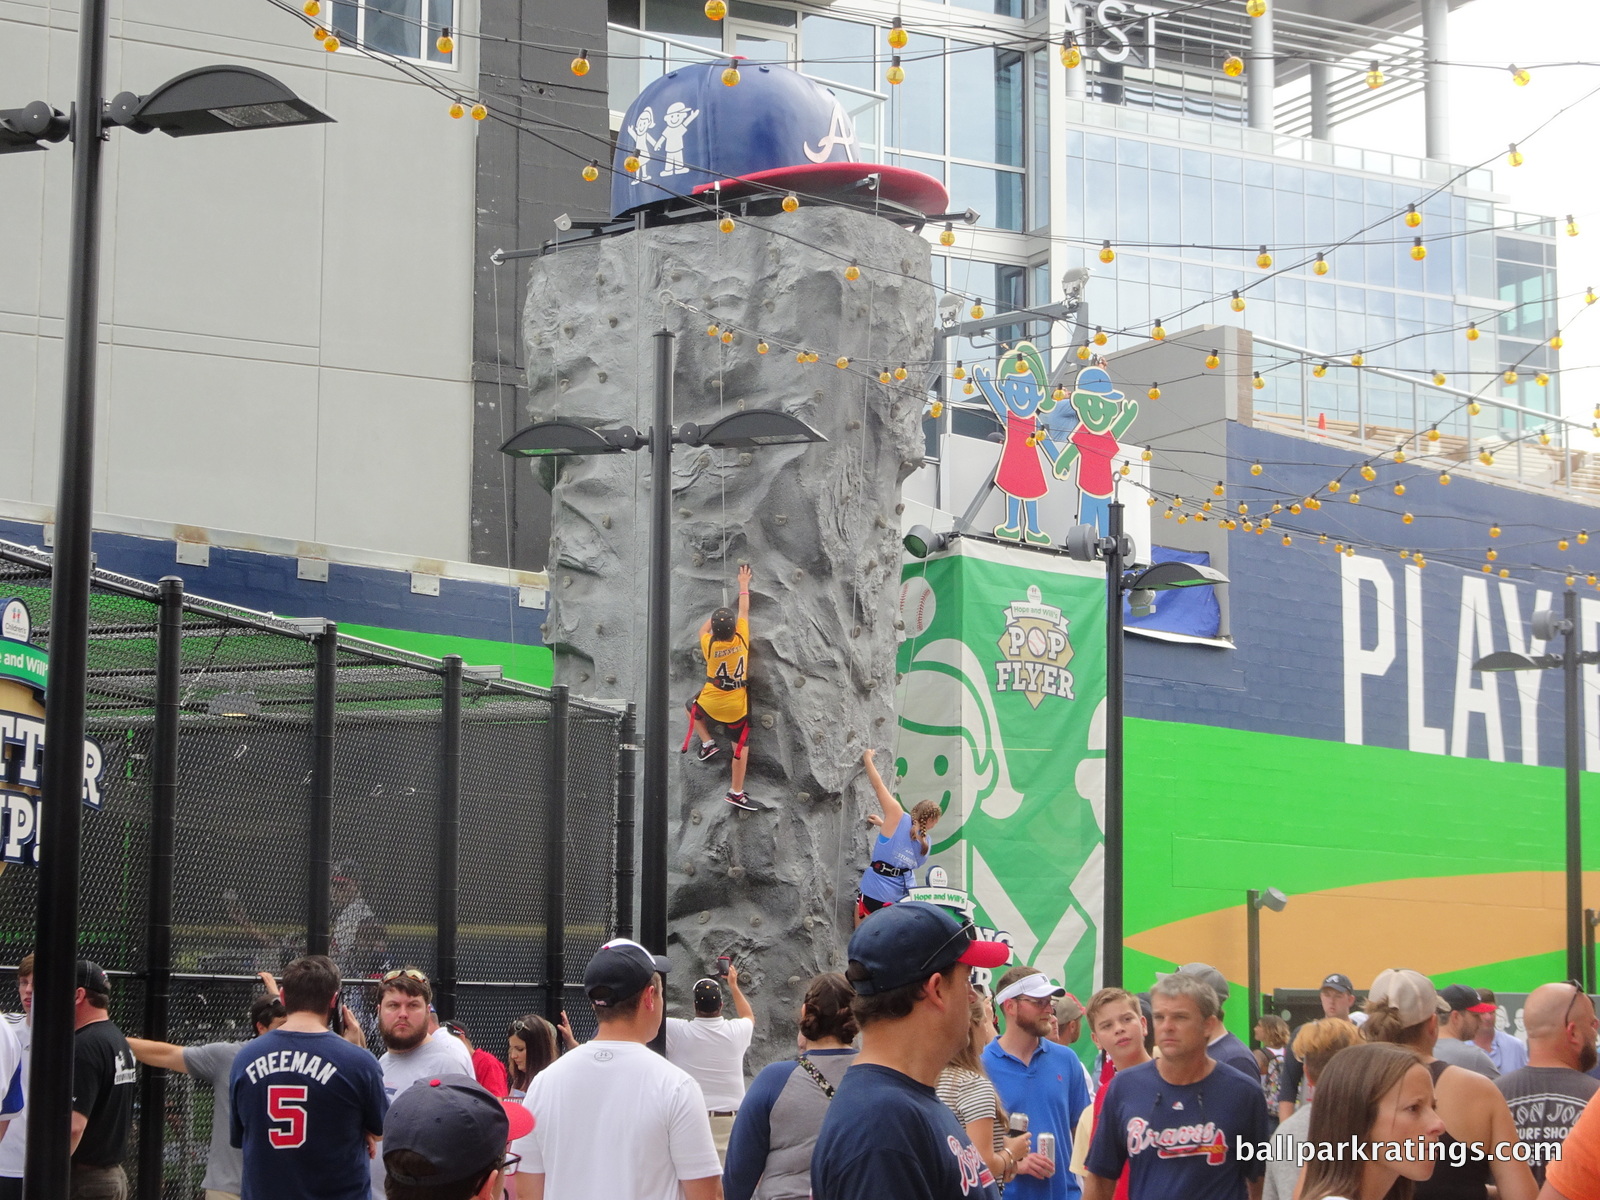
x,y
1181,1141
840,133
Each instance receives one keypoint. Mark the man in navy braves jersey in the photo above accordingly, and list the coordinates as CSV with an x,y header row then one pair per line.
x,y
1175,1121
887,1135
307,1105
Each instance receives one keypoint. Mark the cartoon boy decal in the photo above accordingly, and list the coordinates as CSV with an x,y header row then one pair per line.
x,y
678,118
1018,394
1104,415
643,143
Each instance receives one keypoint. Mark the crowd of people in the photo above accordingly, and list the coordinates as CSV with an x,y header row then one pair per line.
x,y
910,1083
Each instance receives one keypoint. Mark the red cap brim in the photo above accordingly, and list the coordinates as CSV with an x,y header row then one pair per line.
x,y
986,954
521,1120
1482,1008
901,185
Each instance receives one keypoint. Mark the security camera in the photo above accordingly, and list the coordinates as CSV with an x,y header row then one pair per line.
x,y
1073,282
1274,899
949,308
564,222
1141,602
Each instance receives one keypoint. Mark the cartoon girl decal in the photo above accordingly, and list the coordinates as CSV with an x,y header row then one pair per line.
x,y
1019,394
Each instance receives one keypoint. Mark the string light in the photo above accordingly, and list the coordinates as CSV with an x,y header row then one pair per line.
x,y
1472,331
1486,458
1563,544
457,111
762,347
479,111
1155,394
1107,254
730,74
1413,217
1367,472
1294,510
1444,478
713,330
727,337
631,164
900,372
1399,489
330,44
1399,454
1263,259
319,34
1233,66
1255,468
1213,361
1358,359
898,36
1542,379
1084,352
1313,503
960,372
790,202
580,65
947,236
842,362
726,224
1355,497
1244,509
1146,456
1099,336
1494,530
1505,572
1320,267
936,409
896,73
1572,226
1059,395
1320,370
1159,333
1219,489
1544,437
1375,76
1287,539
1418,250
1515,156
312,8
590,172
1571,579
976,311
852,272
1237,303
716,9
445,43
1333,486
1258,383
1473,408
884,376
1491,555
1255,8
1557,341
1519,76
1510,377
1433,434
1406,518
1071,56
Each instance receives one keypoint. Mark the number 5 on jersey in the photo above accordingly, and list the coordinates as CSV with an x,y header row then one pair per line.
x,y
287,1107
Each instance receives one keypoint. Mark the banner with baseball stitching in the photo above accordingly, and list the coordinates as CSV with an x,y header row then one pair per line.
x,y
1001,703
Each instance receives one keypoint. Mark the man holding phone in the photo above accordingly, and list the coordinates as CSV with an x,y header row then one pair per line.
x,y
711,1048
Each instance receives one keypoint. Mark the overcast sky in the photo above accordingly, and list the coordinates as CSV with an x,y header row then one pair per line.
x,y
1562,169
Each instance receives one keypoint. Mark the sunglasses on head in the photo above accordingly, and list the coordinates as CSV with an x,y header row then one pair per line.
x,y
405,973
1577,990
968,933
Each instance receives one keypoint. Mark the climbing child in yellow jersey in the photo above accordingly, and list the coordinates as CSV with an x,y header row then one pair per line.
x,y
725,644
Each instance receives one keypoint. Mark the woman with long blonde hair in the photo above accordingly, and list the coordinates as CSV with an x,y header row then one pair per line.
x,y
965,1088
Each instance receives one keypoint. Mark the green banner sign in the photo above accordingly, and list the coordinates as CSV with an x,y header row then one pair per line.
x,y
1002,720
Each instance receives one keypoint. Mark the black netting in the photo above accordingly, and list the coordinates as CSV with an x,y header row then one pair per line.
x,y
246,786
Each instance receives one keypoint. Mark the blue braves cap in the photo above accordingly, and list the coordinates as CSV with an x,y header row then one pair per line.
x,y
911,940
774,131
453,1125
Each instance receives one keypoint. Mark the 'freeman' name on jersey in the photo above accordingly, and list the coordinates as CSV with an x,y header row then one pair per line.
x,y
297,1062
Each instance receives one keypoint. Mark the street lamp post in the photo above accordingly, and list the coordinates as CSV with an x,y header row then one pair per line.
x,y
1546,626
1591,918
208,100
1138,582
749,429
1255,901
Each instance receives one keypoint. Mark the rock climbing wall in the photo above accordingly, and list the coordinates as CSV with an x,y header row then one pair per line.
x,y
818,523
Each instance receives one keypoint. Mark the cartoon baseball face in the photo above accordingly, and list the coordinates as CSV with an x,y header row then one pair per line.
x,y
1096,401
677,114
644,122
1024,395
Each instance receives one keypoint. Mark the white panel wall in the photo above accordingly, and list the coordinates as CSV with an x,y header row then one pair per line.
x,y
286,314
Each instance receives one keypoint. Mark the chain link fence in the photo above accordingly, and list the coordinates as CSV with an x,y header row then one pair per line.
x,y
326,793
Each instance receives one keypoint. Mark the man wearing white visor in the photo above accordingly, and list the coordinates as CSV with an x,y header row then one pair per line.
x,y
1036,1076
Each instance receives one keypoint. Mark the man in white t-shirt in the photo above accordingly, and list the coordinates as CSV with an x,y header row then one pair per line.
x,y
404,1002
15,1143
712,1048
612,1118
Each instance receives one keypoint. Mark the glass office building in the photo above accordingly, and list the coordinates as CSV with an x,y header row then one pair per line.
x,y
1187,171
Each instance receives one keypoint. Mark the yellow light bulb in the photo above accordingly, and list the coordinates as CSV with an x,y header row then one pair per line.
x,y
1544,439
762,347
312,8
1320,267
976,312
1358,359
479,111
727,337
1070,55
1287,539
1159,333
1542,379
630,164
947,236
1432,435
1367,472
590,172
1418,250
900,371
1572,227
580,65
726,224
457,111
1178,500
1255,468
1233,66
1059,394
1320,370
1107,254
1407,518
1413,217
1474,408
811,356
713,330
730,76
841,362
1338,547
895,74
1244,508
1255,8
1277,507
1375,76
800,357
1355,497
1126,470
1213,361
1515,156
1494,531
1505,572
716,9
1487,569
936,409
1519,76
791,202
319,34
1399,454
1557,342
1167,515
852,272
445,43
1563,544
1263,259
1399,489
1084,351
1472,331
967,389
1571,579
1438,379
330,43
959,373
1486,458
1444,478
884,376
1099,336
1294,510
898,36
1237,303
1258,383
1510,377
1583,537
1334,485
1146,456
1219,489
1155,394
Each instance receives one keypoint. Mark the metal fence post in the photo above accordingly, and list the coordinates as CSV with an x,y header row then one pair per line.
x,y
449,864
627,783
555,899
163,835
319,907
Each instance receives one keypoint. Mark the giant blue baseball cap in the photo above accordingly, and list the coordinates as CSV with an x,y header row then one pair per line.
x,y
775,131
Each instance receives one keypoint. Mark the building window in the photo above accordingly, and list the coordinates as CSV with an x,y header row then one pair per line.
x,y
404,28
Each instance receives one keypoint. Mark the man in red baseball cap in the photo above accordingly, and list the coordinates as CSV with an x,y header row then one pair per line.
x,y
1456,1031
887,1135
